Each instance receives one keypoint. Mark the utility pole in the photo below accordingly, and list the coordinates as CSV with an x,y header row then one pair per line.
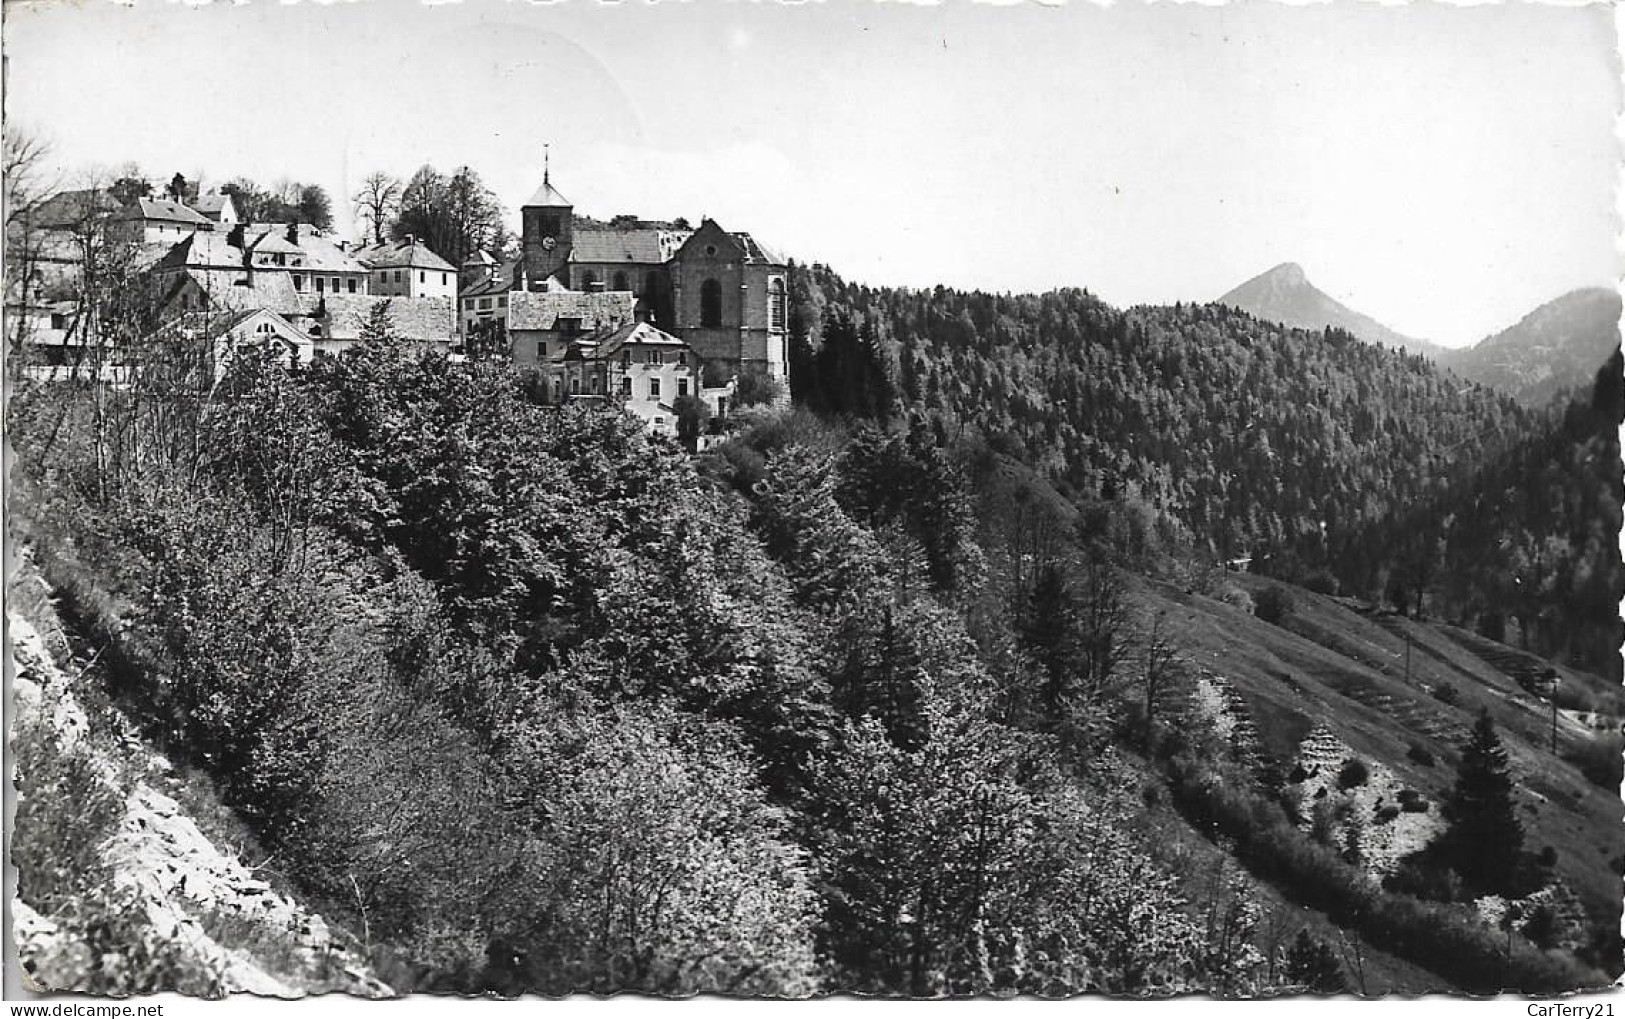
x,y
1551,674
1407,659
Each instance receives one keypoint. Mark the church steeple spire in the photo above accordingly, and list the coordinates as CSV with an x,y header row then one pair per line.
x,y
546,167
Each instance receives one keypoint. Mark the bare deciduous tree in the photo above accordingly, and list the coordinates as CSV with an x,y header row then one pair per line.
x,y
377,202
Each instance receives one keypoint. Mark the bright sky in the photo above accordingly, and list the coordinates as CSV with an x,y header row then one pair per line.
x,y
1443,169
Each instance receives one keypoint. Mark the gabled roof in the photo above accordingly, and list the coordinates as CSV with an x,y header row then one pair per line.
x,y
213,206
542,310
162,210
401,255
756,252
240,289
68,209
271,242
202,250
635,334
498,281
635,245
418,319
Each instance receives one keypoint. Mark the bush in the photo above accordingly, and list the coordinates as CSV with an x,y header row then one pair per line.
x,y
1232,595
1411,802
757,390
1421,755
1446,693
1353,774
1321,582
1274,604
1598,759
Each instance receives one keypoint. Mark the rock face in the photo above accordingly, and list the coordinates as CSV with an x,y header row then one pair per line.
x,y
163,907
1558,346
1285,295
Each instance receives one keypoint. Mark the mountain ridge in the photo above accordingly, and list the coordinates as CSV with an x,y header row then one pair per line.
x,y
1284,294
1552,349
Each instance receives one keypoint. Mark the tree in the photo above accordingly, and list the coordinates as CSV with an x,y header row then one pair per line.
x,y
376,202
691,414
455,216
314,207
1484,840
1313,965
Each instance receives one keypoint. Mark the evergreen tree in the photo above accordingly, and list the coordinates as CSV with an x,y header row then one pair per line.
x,y
1484,840
1312,964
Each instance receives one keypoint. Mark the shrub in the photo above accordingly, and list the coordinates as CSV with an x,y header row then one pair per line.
x,y
1421,755
1274,604
1321,582
1232,595
1387,814
755,389
1353,774
1411,802
1446,693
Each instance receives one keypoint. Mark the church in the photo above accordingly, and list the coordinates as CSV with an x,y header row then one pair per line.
x,y
720,292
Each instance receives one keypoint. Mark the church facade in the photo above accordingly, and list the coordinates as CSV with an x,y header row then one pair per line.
x,y
721,292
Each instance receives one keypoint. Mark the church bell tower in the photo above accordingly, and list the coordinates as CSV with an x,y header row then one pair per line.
x,y
546,232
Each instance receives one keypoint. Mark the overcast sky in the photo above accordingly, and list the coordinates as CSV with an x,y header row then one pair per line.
x,y
1442,169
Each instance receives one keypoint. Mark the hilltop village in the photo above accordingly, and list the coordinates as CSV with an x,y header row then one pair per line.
x,y
644,313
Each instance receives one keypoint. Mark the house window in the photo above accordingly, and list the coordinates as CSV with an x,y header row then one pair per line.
x,y
319,282
485,302
620,281
710,304
653,357
597,384
626,359
682,357
654,389
335,284
775,304
298,282
399,275
422,276
558,387
682,387
442,279
588,278
541,349
351,282
502,302
59,320
626,387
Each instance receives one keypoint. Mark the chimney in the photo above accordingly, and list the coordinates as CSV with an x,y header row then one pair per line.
x,y
293,232
411,240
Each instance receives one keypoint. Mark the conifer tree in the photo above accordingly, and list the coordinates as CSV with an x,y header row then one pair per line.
x,y
1484,840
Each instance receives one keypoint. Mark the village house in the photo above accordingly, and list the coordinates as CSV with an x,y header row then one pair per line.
x,y
407,268
638,367
543,323
154,221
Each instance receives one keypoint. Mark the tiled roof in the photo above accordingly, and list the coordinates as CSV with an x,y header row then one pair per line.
x,y
68,209
202,251
239,289
488,284
163,210
211,206
755,251
420,319
637,245
322,255
634,333
531,310
270,242
400,255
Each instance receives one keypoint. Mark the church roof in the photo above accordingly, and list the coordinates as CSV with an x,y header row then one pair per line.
x,y
636,245
547,196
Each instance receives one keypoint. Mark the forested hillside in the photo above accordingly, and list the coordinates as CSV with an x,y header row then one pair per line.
x,y
1241,437
1526,546
872,697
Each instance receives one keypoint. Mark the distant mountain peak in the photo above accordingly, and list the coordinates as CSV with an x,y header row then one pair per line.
x,y
1285,295
1553,349
1289,274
